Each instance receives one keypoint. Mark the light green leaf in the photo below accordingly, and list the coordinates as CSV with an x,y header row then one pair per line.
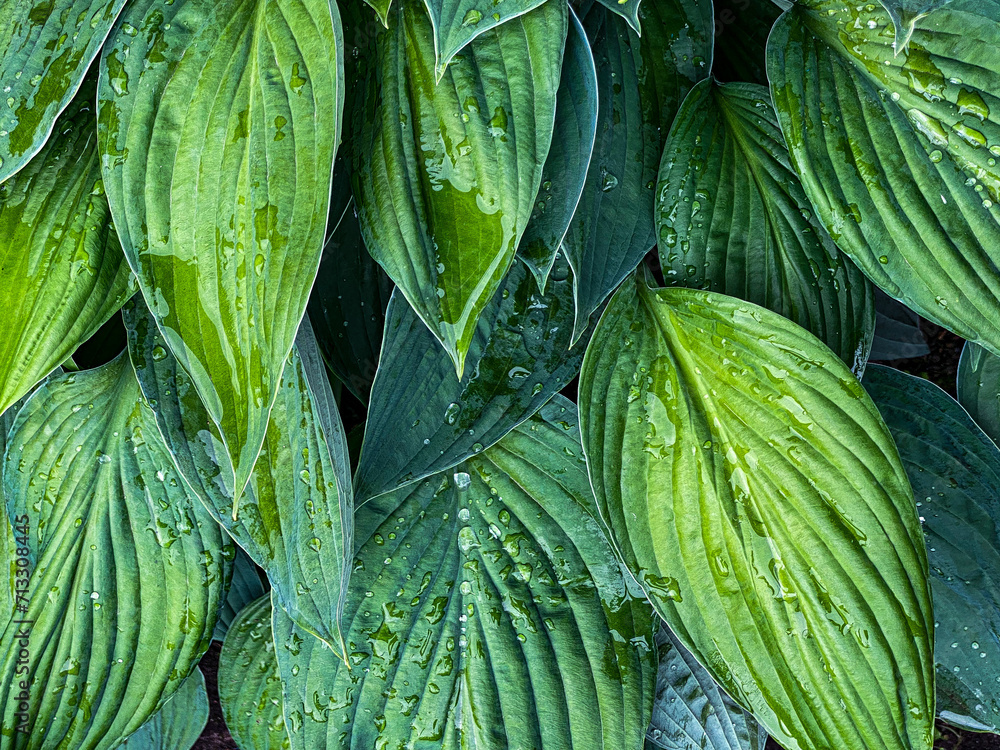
x,y
691,712
179,723
46,47
757,496
448,172
905,14
978,387
232,110
128,571
249,685
246,586
568,162
421,420
296,517
732,217
904,174
955,471
515,626
63,272
629,9
639,87
897,330
382,9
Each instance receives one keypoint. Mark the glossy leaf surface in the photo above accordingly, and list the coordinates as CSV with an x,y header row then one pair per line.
x,y
978,388
218,124
448,172
128,570
62,272
179,723
756,495
732,217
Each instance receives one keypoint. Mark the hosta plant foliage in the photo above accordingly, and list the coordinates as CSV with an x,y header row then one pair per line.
x,y
496,375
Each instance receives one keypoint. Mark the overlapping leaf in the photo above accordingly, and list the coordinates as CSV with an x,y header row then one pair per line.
x,y
639,88
245,587
421,420
218,124
46,47
955,471
691,710
978,387
732,217
179,723
128,570
896,145
63,272
487,611
897,330
295,519
448,172
757,496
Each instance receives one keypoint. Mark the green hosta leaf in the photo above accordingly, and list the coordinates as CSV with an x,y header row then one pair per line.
x,y
568,162
955,471
295,517
232,110
897,330
741,29
179,723
903,174
629,9
448,172
639,88
421,420
249,686
381,7
732,217
347,306
905,14
691,711
978,387
63,272
487,610
128,570
246,586
755,493
46,47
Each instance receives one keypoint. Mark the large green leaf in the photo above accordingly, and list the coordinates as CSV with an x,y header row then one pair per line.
x,y
179,723
46,47
757,496
296,519
249,685
245,587
639,88
128,570
897,147
897,330
62,272
732,217
955,471
568,162
448,172
978,387
231,111
421,420
691,711
487,610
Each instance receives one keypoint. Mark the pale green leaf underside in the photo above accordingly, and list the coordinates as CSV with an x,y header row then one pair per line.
x,y
755,493
179,723
629,10
46,47
903,173
423,420
955,471
63,272
487,610
732,217
295,518
218,125
245,587
448,172
978,386
128,569
381,7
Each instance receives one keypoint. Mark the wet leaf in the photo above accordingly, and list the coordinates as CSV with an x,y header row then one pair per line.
x,y
421,420
179,723
128,571
62,272
896,147
448,172
732,217
955,471
755,493
222,212
978,386
246,586
46,47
